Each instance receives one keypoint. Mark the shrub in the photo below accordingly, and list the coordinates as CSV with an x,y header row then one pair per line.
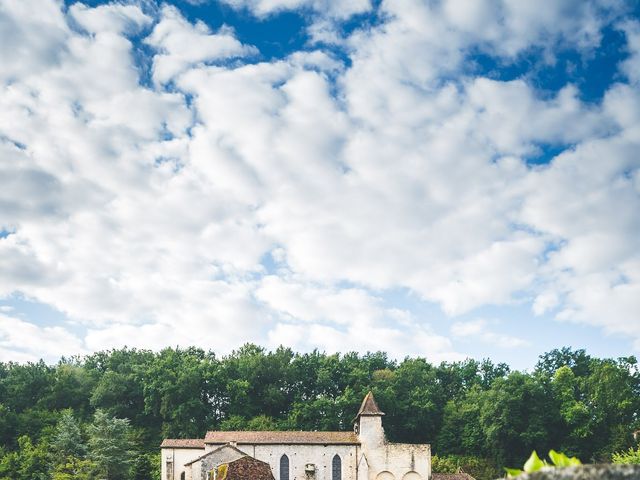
x,y
444,465
629,456
477,467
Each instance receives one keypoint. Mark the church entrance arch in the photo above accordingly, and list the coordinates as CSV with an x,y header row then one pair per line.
x,y
411,476
385,476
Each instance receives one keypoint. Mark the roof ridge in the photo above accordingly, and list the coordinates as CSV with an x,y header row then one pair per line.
x,y
280,436
216,450
278,431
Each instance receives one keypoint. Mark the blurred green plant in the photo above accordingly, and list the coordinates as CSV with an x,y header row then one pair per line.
x,y
629,456
535,463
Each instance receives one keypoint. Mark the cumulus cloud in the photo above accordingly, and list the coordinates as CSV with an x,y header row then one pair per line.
x,y
115,18
341,9
22,341
631,66
509,26
347,319
478,330
147,213
24,53
181,44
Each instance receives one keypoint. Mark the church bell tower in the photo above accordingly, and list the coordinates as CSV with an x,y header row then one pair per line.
x,y
368,424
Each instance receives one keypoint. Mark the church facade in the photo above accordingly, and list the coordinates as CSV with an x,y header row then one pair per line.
x,y
364,454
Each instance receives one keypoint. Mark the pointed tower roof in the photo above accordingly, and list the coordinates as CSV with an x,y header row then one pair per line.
x,y
369,406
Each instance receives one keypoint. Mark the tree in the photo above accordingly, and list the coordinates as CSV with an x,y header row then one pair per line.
x,y
68,441
585,406
29,462
518,414
74,469
577,360
612,406
176,391
462,432
146,467
119,387
110,446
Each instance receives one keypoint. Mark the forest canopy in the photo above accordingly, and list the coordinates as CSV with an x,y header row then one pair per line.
x,y
53,418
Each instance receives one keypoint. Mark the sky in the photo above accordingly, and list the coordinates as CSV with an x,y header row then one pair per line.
x,y
435,178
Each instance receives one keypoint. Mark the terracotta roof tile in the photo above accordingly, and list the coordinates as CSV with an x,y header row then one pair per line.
x,y
245,468
182,443
317,438
369,406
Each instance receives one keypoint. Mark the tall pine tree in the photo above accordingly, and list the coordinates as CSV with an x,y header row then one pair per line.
x,y
110,446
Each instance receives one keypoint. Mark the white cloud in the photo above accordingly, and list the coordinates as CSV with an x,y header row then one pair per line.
x,y
397,342
631,66
341,9
23,52
181,44
144,212
478,331
312,316
112,18
524,120
22,341
313,304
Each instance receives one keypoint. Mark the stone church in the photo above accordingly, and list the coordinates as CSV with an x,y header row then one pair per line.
x,y
364,454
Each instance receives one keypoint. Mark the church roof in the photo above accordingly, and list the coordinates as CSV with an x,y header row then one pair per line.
x,y
225,453
369,406
279,438
245,468
182,443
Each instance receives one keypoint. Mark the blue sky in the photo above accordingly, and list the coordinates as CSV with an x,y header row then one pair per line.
x,y
425,178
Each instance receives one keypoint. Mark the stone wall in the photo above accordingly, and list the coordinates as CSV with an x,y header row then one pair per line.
x,y
320,456
208,463
175,458
399,461
391,461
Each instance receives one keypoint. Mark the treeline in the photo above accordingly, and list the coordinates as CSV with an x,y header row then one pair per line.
x,y
572,402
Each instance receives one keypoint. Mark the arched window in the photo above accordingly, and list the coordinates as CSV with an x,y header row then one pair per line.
x,y
336,468
284,467
182,475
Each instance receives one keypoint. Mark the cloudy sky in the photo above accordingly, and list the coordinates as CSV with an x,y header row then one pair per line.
x,y
441,178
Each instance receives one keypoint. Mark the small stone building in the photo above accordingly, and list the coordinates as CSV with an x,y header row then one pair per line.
x,y
244,468
364,454
199,468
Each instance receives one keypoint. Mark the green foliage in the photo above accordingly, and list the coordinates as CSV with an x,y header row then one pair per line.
x,y
110,446
479,468
68,441
597,410
477,415
631,455
29,462
73,468
535,463
441,464
146,467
